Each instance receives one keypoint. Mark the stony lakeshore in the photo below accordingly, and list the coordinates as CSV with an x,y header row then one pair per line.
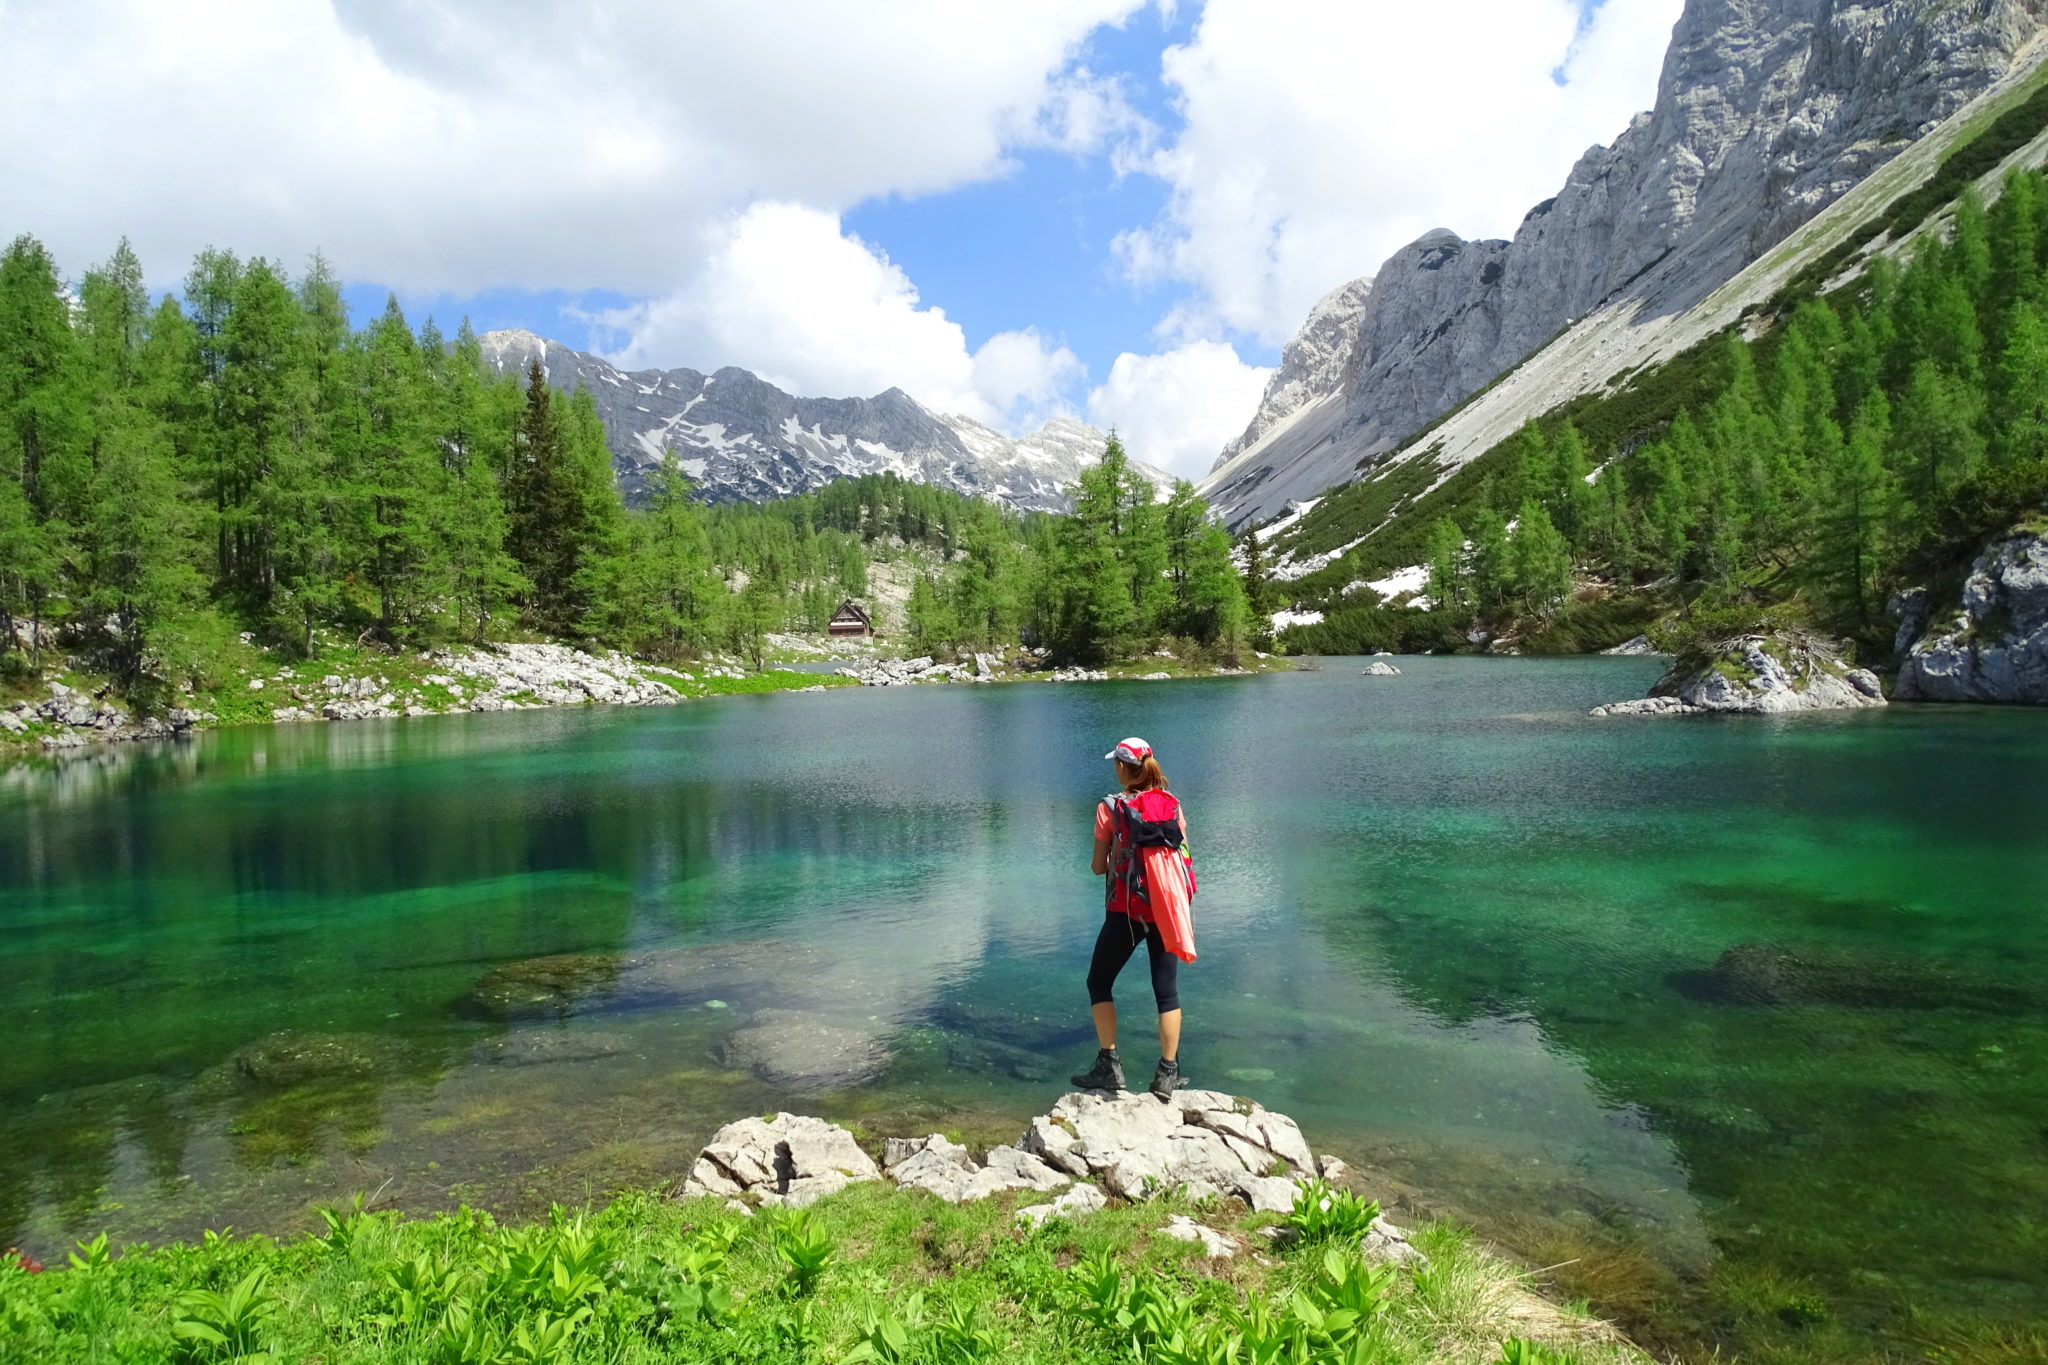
x,y
1094,1150
511,676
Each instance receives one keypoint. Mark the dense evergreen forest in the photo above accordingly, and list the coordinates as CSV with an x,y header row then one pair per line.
x,y
1871,441
239,460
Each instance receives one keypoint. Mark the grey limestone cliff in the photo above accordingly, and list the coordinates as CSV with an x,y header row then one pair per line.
x,y
1766,112
1994,647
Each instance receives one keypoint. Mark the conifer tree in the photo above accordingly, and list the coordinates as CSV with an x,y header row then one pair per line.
x,y
142,576
544,509
1541,559
1492,563
399,480
2015,244
41,445
1089,599
1212,608
114,316
1258,585
2020,392
1934,438
1860,502
1447,573
1570,499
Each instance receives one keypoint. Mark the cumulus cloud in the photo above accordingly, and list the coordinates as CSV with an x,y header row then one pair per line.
x,y
1320,138
441,146
787,293
1023,376
1176,409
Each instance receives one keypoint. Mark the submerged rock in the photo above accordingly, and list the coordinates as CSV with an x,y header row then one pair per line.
x,y
1995,647
293,1058
1783,974
549,985
804,1052
1379,670
1762,674
542,1048
563,984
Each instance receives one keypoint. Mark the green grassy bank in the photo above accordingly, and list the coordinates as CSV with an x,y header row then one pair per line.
x,y
872,1274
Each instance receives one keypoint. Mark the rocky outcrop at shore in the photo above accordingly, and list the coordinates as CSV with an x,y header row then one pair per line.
x,y
83,718
1758,675
1994,647
981,668
1133,1145
1091,1148
500,677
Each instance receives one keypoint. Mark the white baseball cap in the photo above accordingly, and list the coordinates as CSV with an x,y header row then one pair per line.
x,y
1133,751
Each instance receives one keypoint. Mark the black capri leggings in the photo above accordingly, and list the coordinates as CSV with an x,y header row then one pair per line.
x,y
1119,938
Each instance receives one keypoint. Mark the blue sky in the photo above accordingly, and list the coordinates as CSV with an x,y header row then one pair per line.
x,y
1109,208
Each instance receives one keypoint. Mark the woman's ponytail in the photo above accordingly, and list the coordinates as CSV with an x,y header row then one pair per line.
x,y
1146,776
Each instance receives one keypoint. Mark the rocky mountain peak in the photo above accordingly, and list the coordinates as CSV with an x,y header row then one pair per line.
x,y
1766,112
740,438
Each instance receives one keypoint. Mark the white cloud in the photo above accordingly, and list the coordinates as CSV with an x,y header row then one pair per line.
x,y
1178,408
786,293
1023,376
1320,138
445,146
1083,112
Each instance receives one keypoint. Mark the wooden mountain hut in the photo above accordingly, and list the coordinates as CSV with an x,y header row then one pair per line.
x,y
850,619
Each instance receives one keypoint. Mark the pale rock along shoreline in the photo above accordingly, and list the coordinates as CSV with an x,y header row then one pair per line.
x,y
498,677
1091,1148
1758,675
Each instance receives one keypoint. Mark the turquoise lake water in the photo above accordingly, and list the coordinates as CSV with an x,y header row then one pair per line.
x,y
1475,941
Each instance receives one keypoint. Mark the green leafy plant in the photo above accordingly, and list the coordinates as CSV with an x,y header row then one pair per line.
x,y
889,1338
18,1311
1105,1295
1342,1300
465,1336
1522,1351
1322,1214
544,1338
962,1337
92,1255
419,1288
347,1226
226,1326
804,1248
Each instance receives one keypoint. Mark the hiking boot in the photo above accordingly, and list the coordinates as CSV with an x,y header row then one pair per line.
x,y
1106,1074
1166,1079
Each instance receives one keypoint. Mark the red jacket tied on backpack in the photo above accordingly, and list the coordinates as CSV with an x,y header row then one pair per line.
x,y
1151,872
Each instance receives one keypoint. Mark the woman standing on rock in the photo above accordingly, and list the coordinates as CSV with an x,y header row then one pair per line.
x,y
1140,847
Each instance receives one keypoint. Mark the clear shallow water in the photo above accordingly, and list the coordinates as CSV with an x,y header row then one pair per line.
x,y
1460,930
